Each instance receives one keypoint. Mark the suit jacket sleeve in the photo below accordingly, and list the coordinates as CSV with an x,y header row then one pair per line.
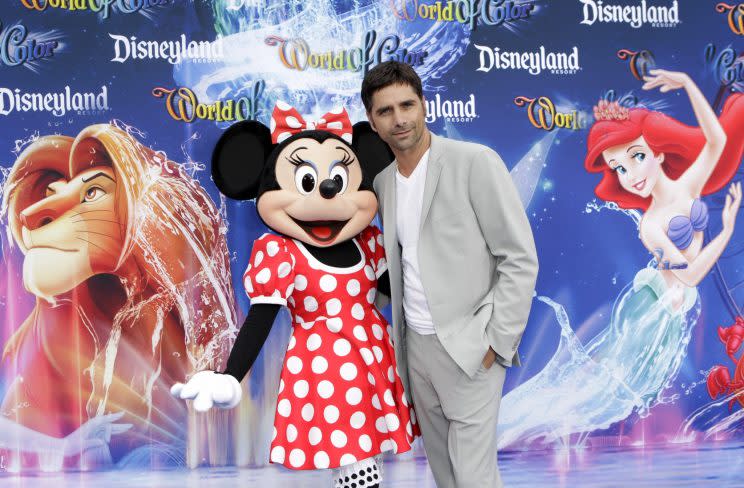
x,y
507,232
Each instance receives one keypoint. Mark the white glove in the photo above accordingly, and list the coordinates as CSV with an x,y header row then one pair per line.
x,y
208,388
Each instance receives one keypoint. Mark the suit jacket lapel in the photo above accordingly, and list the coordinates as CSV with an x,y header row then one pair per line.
x,y
432,177
390,231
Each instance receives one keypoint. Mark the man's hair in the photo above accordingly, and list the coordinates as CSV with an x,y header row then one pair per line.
x,y
386,74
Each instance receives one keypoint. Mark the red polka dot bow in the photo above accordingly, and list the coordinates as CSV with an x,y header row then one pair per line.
x,y
287,121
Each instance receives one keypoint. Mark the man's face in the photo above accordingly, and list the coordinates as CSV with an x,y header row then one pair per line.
x,y
397,115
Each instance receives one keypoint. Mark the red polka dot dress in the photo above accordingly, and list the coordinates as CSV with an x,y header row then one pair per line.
x,y
340,397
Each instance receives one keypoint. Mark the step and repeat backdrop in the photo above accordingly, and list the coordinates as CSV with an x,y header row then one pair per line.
x,y
121,264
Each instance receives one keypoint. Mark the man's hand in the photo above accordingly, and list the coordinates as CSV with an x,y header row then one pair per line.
x,y
489,358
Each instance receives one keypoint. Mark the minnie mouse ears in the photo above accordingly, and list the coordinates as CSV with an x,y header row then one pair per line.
x,y
244,159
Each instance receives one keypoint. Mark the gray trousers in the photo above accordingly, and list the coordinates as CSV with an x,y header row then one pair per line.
x,y
457,415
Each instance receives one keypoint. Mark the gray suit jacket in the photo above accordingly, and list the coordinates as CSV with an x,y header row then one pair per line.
x,y
476,254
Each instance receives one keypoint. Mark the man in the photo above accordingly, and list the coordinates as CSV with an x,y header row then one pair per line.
x,y
462,266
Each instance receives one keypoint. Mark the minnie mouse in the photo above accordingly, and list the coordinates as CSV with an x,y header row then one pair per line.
x,y
340,401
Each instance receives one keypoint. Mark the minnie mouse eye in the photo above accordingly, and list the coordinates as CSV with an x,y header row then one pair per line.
x,y
305,179
340,175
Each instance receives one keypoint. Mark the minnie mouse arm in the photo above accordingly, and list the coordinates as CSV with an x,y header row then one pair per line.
x,y
250,340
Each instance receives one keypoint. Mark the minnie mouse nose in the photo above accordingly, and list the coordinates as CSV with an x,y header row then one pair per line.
x,y
329,188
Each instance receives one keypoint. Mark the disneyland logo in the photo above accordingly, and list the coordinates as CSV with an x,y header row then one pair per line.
x,y
17,48
182,104
534,62
734,16
296,54
727,65
489,12
58,104
635,15
104,7
450,110
126,48
543,114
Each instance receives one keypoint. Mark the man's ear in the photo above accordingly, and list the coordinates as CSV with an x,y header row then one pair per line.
x,y
239,158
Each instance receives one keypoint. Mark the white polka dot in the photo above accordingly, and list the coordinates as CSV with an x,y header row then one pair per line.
x,y
321,460
392,421
325,389
404,400
335,125
297,458
353,287
357,311
379,239
248,284
367,356
388,397
300,282
413,417
360,333
320,365
371,378
311,304
391,375
380,425
314,342
284,408
378,353
277,454
273,434
333,306
308,411
353,396
284,269
338,438
409,429
272,125
341,347
281,386
369,272
263,276
365,443
347,137
258,258
358,419
293,122
307,325
377,331
272,248
387,445
334,324
371,294
291,433
276,294
376,402
348,459
348,371
315,436
330,414
283,106
292,343
301,389
327,283
371,243
294,364
381,264
290,300
290,289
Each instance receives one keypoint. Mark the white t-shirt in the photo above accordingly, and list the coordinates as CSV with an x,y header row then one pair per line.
x,y
409,194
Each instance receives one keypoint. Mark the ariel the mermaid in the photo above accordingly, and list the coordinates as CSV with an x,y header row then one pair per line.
x,y
653,163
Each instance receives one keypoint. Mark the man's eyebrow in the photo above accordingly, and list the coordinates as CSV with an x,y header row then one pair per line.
x,y
97,175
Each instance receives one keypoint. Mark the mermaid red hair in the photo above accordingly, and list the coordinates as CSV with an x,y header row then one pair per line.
x,y
680,143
